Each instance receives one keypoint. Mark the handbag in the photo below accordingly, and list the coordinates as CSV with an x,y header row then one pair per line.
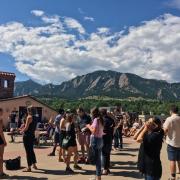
x,y
13,164
65,142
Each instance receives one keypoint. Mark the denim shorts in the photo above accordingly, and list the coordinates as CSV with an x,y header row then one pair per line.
x,y
173,153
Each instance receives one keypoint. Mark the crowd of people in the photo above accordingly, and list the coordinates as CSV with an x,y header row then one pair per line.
x,y
97,133
94,132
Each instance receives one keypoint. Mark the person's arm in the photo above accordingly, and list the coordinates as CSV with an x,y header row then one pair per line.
x,y
28,121
2,135
166,126
92,127
141,135
22,127
62,123
138,132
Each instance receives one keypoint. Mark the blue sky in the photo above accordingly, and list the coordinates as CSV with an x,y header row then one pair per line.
x,y
111,17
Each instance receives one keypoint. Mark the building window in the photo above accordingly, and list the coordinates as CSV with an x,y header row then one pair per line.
x,y
5,84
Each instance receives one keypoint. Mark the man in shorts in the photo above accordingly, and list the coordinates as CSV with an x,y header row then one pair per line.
x,y
172,130
57,131
83,133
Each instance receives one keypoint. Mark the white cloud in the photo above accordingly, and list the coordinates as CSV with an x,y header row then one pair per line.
x,y
74,24
87,18
53,53
51,20
37,12
103,30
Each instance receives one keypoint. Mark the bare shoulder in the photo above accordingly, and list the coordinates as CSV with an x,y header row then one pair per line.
x,y
63,121
29,118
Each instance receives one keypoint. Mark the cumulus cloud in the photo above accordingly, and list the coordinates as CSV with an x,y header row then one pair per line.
x,y
74,24
87,18
51,19
103,30
37,12
54,53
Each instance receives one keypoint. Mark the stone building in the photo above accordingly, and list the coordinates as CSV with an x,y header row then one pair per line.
x,y
6,85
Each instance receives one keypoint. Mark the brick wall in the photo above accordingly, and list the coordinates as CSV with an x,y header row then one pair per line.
x,y
6,85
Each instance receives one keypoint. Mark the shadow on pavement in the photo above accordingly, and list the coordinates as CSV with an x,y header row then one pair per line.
x,y
88,172
41,147
131,149
53,172
123,163
128,174
123,154
26,177
125,167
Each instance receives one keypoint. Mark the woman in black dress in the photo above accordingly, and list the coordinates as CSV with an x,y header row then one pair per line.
x,y
2,145
29,138
72,145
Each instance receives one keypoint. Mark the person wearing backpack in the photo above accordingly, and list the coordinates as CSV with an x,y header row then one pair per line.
x,y
97,138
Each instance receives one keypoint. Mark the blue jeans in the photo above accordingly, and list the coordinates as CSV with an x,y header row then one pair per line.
x,y
118,140
97,144
147,177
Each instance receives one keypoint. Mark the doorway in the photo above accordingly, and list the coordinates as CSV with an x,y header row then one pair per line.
x,y
38,112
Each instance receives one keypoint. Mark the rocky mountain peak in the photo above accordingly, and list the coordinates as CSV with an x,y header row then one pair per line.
x,y
104,83
123,81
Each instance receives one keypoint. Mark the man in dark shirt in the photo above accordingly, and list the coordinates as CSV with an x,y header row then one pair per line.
x,y
83,132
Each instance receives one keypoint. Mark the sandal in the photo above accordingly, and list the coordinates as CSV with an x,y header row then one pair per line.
x,y
35,167
105,172
27,170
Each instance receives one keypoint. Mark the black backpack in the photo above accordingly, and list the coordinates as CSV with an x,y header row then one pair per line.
x,y
13,164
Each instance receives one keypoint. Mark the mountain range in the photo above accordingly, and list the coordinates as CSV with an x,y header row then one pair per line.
x,y
103,83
